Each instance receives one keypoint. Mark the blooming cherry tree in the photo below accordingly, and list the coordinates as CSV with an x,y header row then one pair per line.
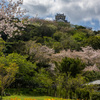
x,y
10,11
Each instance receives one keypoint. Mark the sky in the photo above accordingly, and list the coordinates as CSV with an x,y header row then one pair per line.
x,y
78,12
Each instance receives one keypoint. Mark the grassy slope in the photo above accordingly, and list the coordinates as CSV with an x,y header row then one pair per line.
x,y
22,97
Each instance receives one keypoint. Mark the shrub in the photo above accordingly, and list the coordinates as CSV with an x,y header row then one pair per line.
x,y
96,96
70,65
82,93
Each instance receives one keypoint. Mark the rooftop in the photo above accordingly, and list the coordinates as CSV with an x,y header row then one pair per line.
x,y
94,82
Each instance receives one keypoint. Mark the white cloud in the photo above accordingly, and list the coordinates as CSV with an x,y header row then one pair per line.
x,y
75,10
92,23
49,19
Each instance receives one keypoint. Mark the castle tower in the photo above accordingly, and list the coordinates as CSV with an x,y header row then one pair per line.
x,y
60,18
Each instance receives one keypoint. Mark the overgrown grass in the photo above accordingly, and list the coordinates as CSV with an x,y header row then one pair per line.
x,y
23,97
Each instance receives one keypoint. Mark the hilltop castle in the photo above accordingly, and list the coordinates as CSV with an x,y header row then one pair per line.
x,y
60,18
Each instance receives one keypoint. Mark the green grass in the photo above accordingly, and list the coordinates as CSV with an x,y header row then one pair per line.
x,y
23,97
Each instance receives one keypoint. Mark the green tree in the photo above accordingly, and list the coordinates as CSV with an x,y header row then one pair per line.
x,y
44,80
7,75
60,84
70,65
26,70
2,45
91,75
94,42
57,36
80,36
73,84
49,41
57,46
46,30
70,43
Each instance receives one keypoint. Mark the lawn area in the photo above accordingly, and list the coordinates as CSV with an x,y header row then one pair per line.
x,y
22,97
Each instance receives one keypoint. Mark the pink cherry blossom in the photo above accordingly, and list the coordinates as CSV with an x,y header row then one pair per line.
x,y
9,10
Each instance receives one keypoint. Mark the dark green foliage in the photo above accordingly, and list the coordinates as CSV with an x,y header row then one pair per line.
x,y
82,93
57,36
97,32
79,27
38,39
29,32
27,91
7,49
45,30
70,43
2,46
91,75
48,41
96,96
26,72
45,81
3,35
70,65
57,46
72,32
94,42
11,47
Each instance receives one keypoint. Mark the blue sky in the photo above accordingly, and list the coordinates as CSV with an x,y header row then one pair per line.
x,y
78,12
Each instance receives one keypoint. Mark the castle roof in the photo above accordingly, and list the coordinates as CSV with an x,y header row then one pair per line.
x,y
60,17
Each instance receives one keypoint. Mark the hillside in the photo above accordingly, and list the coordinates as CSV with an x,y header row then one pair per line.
x,y
53,58
54,39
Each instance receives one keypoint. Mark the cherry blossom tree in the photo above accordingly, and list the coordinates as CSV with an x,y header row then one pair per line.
x,y
88,55
10,13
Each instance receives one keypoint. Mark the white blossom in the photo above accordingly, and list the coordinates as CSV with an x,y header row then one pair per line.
x,y
8,11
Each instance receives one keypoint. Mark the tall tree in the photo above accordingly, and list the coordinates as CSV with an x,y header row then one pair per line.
x,y
70,65
7,74
9,13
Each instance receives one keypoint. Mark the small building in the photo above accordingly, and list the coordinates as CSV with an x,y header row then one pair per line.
x,y
95,82
60,18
